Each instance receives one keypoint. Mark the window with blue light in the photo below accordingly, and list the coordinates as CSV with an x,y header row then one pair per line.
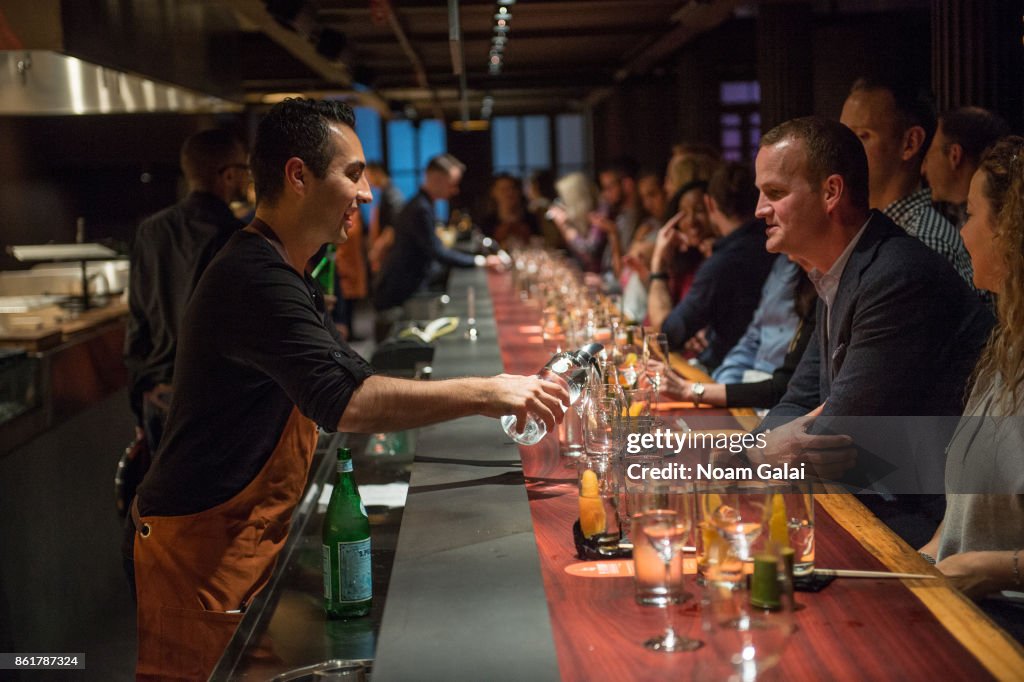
x,y
505,147
368,128
410,148
521,145
739,119
570,144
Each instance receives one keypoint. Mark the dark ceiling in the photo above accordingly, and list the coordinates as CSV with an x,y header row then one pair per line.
x,y
559,54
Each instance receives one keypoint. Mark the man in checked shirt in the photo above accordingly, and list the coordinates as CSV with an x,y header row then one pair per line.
x,y
895,121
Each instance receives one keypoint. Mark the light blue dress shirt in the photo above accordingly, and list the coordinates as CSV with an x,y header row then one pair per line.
x,y
763,346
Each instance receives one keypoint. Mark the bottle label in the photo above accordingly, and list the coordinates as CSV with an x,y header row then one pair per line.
x,y
355,578
344,466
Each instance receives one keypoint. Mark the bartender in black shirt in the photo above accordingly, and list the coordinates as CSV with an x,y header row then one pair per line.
x,y
172,249
259,367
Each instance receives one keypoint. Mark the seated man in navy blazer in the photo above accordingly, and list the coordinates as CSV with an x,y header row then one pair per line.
x,y
898,330
417,255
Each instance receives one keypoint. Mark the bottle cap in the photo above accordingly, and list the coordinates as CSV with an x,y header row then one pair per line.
x,y
588,353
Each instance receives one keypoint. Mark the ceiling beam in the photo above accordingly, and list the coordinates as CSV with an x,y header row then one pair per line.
x,y
414,58
434,6
618,31
254,13
693,19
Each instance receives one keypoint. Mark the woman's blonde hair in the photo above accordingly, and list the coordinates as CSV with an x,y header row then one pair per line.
x,y
1003,356
690,167
579,195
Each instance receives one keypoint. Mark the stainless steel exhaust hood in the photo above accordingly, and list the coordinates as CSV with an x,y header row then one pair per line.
x,y
42,82
65,57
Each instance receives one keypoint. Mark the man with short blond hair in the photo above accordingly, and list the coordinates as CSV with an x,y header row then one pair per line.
x,y
895,119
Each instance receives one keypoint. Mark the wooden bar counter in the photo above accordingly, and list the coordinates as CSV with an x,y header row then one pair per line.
x,y
854,629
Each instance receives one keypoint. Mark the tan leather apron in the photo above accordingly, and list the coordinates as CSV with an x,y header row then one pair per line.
x,y
192,570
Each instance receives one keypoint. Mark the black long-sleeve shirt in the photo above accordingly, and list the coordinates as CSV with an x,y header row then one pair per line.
x,y
417,253
255,344
724,294
172,249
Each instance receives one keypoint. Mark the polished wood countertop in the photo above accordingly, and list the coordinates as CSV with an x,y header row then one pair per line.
x,y
854,629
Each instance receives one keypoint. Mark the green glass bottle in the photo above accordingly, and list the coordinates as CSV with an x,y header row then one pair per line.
x,y
348,584
323,273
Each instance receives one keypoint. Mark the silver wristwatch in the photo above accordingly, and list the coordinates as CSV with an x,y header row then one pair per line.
x,y
697,391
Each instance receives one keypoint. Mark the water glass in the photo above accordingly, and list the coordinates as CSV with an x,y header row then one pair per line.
x,y
791,522
570,432
638,403
601,418
732,517
665,532
749,619
641,497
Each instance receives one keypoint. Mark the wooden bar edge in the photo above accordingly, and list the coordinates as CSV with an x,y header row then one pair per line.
x,y
994,648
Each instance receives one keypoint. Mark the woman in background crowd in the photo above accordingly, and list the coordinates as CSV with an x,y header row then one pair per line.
x,y
507,220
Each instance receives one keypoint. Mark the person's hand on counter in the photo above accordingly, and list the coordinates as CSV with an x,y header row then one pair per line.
x,y
674,384
698,342
978,574
828,457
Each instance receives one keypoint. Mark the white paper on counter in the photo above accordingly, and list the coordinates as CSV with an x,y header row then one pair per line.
x,y
388,495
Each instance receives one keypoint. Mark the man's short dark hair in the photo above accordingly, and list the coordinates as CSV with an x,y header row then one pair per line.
x,y
622,167
733,189
832,149
299,128
654,173
445,163
207,153
913,102
974,129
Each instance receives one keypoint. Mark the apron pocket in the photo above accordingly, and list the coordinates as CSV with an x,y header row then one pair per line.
x,y
193,640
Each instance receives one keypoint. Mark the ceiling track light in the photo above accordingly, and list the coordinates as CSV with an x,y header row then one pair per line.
x,y
502,19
